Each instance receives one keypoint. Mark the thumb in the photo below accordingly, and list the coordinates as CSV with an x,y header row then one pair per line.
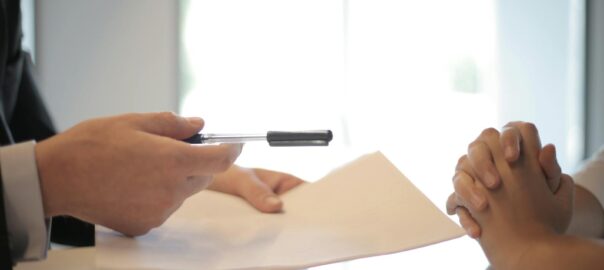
x,y
168,124
566,191
565,196
551,168
260,195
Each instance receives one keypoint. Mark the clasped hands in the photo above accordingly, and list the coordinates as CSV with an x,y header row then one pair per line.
x,y
510,193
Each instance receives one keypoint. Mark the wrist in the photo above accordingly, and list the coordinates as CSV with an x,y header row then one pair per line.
x,y
52,199
515,250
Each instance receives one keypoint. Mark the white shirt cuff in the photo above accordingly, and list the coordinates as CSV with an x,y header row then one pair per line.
x,y
27,231
591,176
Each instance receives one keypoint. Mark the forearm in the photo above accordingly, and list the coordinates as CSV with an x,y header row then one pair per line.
x,y
561,252
588,216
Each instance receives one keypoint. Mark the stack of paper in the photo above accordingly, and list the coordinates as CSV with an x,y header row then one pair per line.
x,y
365,208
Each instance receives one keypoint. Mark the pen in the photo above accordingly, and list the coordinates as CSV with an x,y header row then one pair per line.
x,y
274,138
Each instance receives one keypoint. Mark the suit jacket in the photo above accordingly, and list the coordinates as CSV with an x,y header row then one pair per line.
x,y
23,117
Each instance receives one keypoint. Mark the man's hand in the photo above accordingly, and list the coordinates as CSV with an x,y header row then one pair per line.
x,y
258,187
128,172
478,165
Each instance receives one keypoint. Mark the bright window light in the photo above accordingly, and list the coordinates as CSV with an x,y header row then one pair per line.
x,y
414,79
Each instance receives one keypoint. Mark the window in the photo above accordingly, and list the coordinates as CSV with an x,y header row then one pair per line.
x,y
28,26
417,80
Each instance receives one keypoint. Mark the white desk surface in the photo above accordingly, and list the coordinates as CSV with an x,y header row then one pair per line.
x,y
64,259
462,253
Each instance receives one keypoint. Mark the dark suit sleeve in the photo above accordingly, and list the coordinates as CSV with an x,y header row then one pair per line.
x,y
31,121
6,261
23,117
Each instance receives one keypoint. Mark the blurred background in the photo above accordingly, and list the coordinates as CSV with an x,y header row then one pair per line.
x,y
417,80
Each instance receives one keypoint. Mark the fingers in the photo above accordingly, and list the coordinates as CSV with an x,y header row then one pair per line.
x,y
465,218
259,195
210,159
167,124
510,141
464,165
468,223
530,142
549,165
566,190
277,181
481,160
452,204
466,194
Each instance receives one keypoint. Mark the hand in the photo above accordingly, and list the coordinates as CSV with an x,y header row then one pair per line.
x,y
523,210
478,165
258,187
128,172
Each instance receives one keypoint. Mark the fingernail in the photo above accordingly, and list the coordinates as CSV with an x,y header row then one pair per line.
x,y
477,201
197,121
272,200
509,152
554,150
490,179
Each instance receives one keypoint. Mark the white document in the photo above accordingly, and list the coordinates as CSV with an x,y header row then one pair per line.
x,y
363,209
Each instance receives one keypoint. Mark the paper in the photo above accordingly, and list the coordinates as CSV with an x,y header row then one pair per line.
x,y
365,208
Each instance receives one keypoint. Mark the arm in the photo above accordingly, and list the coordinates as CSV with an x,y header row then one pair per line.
x,y
588,216
523,226
562,252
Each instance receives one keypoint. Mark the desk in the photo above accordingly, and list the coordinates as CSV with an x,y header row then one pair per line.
x,y
63,259
462,253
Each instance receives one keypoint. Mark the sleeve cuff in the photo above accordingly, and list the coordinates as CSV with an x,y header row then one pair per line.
x,y
591,176
27,230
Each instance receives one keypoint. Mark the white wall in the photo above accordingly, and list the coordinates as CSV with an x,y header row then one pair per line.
x,y
104,57
540,55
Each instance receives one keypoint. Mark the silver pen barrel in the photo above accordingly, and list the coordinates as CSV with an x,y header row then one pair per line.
x,y
231,138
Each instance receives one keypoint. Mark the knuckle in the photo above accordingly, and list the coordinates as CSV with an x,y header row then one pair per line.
x,y
473,145
457,178
489,132
167,116
127,116
461,183
451,204
131,117
512,124
225,163
461,161
529,127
